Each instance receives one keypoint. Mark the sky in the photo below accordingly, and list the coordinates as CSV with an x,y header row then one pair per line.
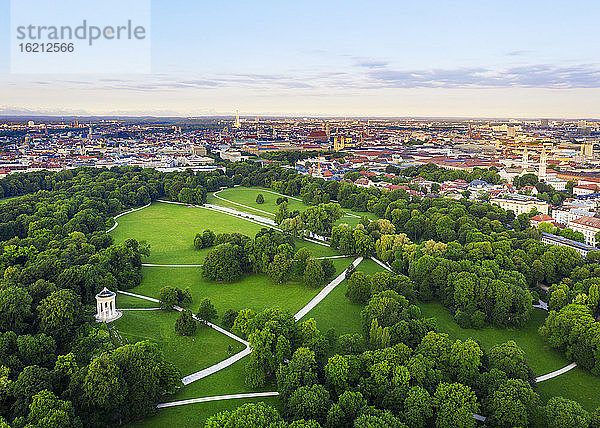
x,y
527,59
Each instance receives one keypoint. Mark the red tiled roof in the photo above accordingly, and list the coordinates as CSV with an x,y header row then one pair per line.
x,y
593,187
588,221
541,217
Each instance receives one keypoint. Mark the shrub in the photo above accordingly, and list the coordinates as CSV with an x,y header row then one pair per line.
x,y
313,274
359,287
223,263
260,199
328,268
185,324
478,319
229,318
462,319
207,311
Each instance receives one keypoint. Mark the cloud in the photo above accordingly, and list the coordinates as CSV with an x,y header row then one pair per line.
x,y
518,53
531,76
372,64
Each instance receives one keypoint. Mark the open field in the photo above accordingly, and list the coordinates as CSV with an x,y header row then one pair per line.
x,y
337,311
195,415
256,292
170,230
227,381
541,357
247,196
577,384
130,302
205,348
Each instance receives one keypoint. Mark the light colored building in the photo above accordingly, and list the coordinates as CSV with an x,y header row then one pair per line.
x,y
106,307
583,249
520,204
564,216
540,218
231,156
585,189
558,185
198,150
587,225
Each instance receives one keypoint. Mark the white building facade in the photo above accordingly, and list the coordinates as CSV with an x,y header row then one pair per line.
x,y
106,307
587,225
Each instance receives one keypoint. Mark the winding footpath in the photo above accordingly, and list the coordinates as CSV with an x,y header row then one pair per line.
x,y
382,264
215,194
247,350
298,316
126,212
215,367
243,215
555,373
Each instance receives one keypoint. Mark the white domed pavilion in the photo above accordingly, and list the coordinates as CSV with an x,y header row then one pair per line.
x,y
106,308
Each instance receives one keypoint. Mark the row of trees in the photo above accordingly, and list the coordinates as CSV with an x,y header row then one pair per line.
x,y
270,252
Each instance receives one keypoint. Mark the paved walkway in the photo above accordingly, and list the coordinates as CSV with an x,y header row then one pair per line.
x,y
541,305
216,195
140,309
383,265
216,367
199,266
241,205
248,350
268,221
122,214
555,373
243,215
218,398
139,296
324,292
176,266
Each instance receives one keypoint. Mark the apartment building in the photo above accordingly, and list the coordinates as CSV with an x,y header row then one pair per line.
x,y
520,204
587,225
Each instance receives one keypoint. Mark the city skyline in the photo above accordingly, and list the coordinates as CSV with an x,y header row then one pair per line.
x,y
432,59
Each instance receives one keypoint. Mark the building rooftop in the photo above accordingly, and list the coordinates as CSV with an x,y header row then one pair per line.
x,y
105,293
568,242
588,221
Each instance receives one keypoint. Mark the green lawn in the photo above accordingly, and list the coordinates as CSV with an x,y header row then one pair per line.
x,y
247,196
227,381
230,380
205,348
576,384
170,230
256,292
337,311
195,415
124,301
541,357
